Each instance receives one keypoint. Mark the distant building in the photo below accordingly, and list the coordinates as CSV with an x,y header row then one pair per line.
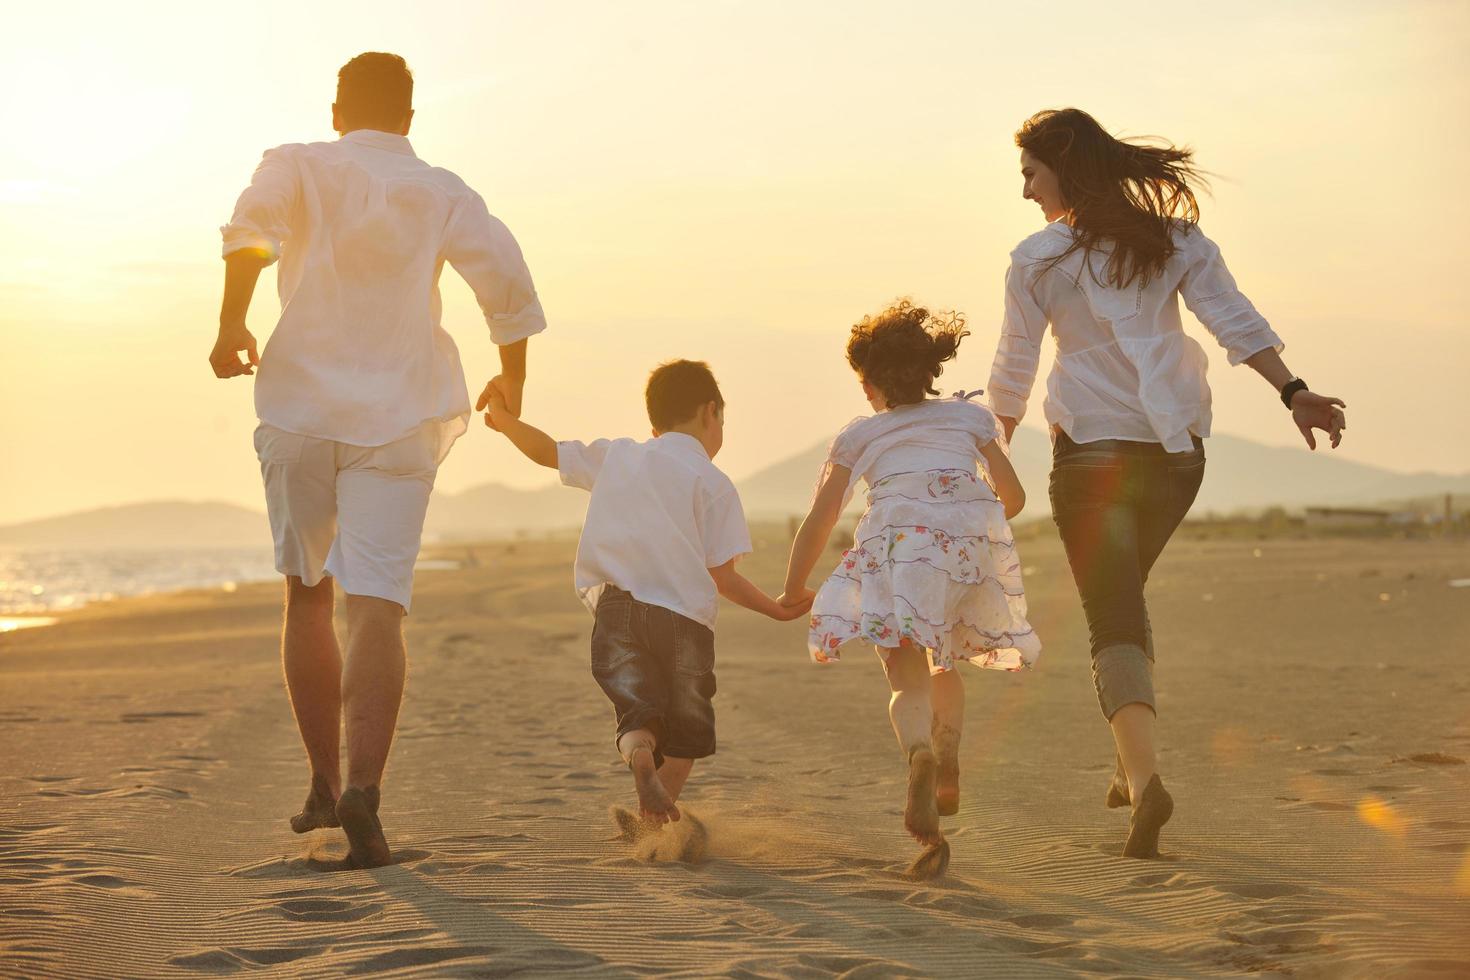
x,y
1348,517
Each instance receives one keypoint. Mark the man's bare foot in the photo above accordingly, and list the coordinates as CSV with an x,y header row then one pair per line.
x,y
653,798
631,827
947,786
320,808
931,864
921,814
358,811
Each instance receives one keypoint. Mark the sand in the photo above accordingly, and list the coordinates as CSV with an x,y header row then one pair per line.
x,y
1316,715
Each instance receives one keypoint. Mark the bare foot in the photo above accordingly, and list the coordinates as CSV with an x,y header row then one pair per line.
x,y
631,827
921,814
1154,808
1118,788
319,810
947,787
653,798
358,811
931,864
696,842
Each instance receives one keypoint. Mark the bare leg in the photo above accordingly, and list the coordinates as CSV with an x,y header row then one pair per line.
x,y
313,667
1133,731
674,773
372,690
912,715
654,803
947,692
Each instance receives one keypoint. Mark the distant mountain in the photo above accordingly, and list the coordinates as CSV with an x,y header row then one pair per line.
x,y
157,524
1241,476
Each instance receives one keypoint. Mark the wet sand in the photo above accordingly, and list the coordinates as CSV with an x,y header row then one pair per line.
x,y
1316,718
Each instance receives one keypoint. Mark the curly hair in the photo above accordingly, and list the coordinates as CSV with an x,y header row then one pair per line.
x,y
901,350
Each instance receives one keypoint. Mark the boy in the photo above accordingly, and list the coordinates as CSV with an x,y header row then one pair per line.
x,y
663,531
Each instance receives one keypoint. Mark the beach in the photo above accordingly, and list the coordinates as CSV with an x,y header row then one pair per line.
x,y
1315,722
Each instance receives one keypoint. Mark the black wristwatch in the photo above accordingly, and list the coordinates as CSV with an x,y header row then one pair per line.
x,y
1290,389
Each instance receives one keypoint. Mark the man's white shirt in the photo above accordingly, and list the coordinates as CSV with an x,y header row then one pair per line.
x,y
362,228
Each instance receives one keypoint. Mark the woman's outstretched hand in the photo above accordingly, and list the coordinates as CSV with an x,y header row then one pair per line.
x,y
1310,410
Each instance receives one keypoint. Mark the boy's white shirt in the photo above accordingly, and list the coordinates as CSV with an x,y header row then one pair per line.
x,y
661,515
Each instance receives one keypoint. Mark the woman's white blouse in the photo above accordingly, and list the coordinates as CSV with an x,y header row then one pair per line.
x,y
1125,369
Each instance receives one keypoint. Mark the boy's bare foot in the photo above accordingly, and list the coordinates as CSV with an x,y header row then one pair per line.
x,y
319,810
921,814
933,863
631,827
653,798
696,840
1155,807
358,811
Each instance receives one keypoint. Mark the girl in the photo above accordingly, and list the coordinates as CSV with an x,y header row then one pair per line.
x,y
932,576
1127,400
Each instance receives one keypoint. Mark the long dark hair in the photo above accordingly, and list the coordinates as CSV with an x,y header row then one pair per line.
x,y
1128,193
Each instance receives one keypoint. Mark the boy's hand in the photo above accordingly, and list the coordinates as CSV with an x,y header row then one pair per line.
x,y
493,402
794,606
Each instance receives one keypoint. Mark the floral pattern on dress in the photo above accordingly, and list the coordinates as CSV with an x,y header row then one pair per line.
x,y
933,563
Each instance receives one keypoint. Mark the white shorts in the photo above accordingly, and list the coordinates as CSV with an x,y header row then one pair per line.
x,y
354,512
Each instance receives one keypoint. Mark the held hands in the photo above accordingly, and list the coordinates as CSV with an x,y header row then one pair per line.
x,y
794,605
502,391
1310,410
225,358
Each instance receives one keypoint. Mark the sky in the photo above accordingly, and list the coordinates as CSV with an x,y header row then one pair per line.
x,y
735,182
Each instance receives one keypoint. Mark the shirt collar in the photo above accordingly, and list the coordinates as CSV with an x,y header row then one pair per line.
x,y
684,442
378,139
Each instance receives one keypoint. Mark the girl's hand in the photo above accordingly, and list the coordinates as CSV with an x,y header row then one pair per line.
x,y
793,607
496,410
1310,410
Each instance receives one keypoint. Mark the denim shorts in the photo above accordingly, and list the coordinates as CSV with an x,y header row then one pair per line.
x,y
658,670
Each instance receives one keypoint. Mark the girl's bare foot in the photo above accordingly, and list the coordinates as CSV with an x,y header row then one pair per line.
x,y
358,811
947,787
921,814
931,864
653,798
320,808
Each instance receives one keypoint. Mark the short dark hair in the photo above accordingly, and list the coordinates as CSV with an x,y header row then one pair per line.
x,y
901,350
677,389
375,87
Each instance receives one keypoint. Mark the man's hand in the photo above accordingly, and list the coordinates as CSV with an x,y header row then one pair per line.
x,y
1310,410
509,390
232,341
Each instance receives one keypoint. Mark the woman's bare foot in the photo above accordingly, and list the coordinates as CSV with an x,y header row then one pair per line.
x,y
320,808
1154,808
921,814
1118,788
653,798
358,811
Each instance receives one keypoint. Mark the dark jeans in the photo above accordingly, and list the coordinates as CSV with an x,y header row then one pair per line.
x,y
1116,503
658,669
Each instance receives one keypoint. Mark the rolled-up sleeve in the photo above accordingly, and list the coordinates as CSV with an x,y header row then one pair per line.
x,y
578,463
1210,292
1018,353
725,533
483,251
261,222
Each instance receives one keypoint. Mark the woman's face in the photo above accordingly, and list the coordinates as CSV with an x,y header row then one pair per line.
x,y
1041,185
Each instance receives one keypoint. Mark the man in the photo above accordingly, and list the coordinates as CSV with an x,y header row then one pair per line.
x,y
360,396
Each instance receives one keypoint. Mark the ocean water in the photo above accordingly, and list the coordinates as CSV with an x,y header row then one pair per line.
x,y
35,582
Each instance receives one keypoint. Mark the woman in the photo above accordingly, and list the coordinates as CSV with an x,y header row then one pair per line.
x,y
1127,400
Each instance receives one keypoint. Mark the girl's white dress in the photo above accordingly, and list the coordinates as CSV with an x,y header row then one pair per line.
x,y
932,561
